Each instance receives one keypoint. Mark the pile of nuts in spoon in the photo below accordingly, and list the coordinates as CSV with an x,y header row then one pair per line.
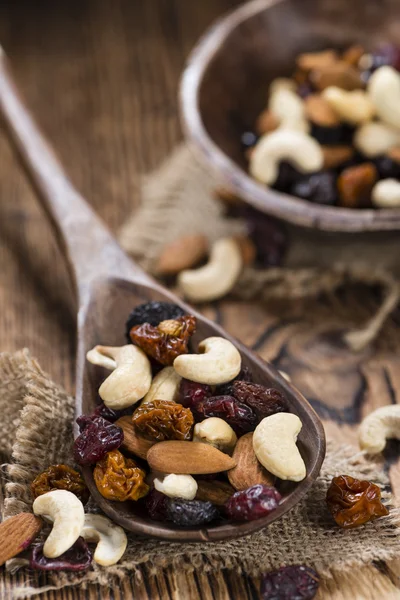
x,y
331,133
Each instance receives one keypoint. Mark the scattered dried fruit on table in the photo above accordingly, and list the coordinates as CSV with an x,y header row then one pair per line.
x,y
264,401
164,420
163,347
17,533
216,492
134,443
152,313
156,505
182,253
119,478
353,502
248,471
295,582
268,234
77,558
191,458
97,437
191,513
253,503
191,392
60,477
355,185
239,415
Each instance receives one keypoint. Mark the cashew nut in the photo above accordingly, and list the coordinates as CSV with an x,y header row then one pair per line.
x,y
177,486
66,513
353,107
274,443
217,277
217,432
219,362
131,379
283,144
378,426
384,91
165,386
386,193
375,138
111,539
288,107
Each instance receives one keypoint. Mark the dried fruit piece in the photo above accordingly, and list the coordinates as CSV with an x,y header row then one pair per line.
x,y
109,414
216,492
339,74
239,416
248,471
188,458
182,253
264,401
226,389
164,420
119,478
353,502
156,505
191,513
319,188
152,313
17,533
355,185
97,437
296,582
191,392
60,477
254,503
132,441
267,234
333,136
334,156
319,111
77,558
387,167
164,347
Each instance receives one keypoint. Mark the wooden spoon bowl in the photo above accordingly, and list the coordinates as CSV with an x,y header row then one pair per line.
x,y
109,285
224,89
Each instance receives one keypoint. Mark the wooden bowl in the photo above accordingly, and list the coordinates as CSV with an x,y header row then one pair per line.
x,y
224,88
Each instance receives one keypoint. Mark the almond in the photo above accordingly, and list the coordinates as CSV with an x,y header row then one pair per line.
x,y
316,60
319,111
190,458
334,156
248,470
133,443
217,492
17,533
183,253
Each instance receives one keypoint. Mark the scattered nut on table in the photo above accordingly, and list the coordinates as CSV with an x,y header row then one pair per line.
x,y
111,539
377,427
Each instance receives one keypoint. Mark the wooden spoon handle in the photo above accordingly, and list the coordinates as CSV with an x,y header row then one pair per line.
x,y
89,247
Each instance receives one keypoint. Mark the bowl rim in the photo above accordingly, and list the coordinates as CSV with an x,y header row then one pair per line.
x,y
283,206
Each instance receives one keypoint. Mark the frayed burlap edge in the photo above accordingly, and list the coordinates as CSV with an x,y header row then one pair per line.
x,y
306,534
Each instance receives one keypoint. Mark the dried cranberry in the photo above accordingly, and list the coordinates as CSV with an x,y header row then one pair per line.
x,y
268,237
77,558
97,437
332,136
255,502
153,313
156,505
226,389
296,582
264,401
190,392
318,187
191,513
239,416
109,414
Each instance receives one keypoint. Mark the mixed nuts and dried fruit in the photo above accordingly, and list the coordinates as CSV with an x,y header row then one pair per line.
x,y
330,134
190,438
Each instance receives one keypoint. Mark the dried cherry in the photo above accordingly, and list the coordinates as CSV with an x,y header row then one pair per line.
x,y
296,582
119,478
60,477
77,558
191,392
191,513
156,505
264,401
353,502
239,416
162,344
97,437
255,502
152,313
164,420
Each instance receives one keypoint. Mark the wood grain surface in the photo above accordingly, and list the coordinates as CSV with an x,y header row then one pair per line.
x,y
101,78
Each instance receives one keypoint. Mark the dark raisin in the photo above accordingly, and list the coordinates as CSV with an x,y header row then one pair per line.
x,y
248,139
255,502
190,392
332,136
153,313
191,513
318,187
97,437
239,416
287,175
77,558
387,167
226,389
268,236
109,414
296,582
156,505
264,401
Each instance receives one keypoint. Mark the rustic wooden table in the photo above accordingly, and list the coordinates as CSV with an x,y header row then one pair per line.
x,y
101,77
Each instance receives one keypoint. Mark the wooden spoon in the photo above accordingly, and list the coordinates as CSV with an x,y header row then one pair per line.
x,y
108,285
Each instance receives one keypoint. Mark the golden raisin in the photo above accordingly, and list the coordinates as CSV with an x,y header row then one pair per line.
x,y
60,477
353,502
355,185
167,341
164,420
119,478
